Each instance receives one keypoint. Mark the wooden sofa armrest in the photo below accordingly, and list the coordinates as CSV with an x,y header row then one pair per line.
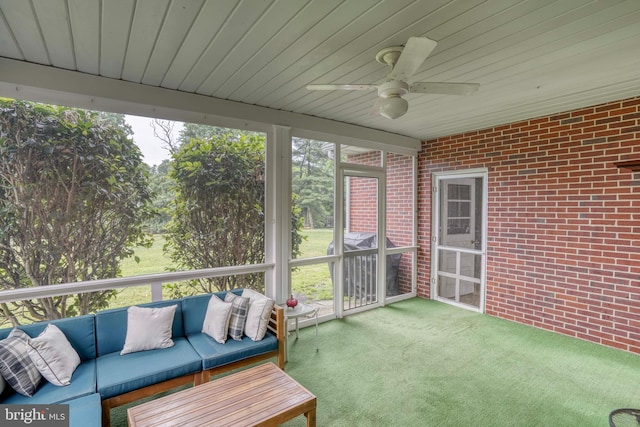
x,y
277,326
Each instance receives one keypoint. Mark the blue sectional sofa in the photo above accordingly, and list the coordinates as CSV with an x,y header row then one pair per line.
x,y
105,379
80,395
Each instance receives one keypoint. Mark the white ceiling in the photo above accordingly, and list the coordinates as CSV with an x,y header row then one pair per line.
x,y
531,57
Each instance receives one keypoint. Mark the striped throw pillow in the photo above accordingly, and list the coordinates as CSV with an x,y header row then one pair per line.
x,y
16,366
239,310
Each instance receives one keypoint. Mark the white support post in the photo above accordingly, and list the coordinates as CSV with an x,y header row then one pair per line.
x,y
278,232
156,291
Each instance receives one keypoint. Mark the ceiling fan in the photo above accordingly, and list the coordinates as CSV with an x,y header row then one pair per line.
x,y
404,61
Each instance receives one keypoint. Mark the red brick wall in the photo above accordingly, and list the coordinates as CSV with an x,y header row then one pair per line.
x,y
563,220
362,204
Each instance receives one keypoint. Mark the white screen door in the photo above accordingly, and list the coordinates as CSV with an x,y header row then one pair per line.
x,y
459,236
362,272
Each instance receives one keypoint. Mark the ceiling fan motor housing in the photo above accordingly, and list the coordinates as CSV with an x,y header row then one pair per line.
x,y
393,88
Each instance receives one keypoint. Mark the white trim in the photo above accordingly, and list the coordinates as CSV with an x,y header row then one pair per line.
x,y
278,208
338,233
401,250
461,250
461,305
361,170
126,282
379,174
413,249
300,262
414,267
41,83
395,143
382,234
396,298
465,173
436,177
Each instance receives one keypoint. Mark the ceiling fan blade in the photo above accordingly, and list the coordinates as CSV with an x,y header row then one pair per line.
x,y
444,88
375,110
413,55
342,87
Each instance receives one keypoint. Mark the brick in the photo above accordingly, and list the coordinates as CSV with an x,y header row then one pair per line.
x,y
562,220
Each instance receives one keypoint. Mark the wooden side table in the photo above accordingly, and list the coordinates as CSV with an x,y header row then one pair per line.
x,y
300,310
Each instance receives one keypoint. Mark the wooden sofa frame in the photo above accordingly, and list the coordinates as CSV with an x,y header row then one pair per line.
x,y
276,326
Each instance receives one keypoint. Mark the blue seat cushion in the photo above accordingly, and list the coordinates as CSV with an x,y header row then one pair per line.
x,y
120,374
85,411
83,383
214,354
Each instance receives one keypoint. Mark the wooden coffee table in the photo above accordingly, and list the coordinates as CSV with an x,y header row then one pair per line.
x,y
259,396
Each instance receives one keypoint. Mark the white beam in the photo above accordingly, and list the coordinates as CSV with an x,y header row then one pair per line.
x,y
41,83
23,294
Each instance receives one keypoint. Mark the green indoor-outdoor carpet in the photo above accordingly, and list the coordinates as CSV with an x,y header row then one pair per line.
x,y
424,363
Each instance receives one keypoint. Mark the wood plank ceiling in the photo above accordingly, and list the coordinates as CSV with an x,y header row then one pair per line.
x,y
531,57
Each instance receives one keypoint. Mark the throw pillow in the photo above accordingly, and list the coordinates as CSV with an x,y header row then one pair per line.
x,y
16,366
148,328
258,316
238,315
216,320
53,355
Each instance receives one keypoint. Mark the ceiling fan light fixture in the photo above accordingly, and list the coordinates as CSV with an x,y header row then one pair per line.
x,y
393,107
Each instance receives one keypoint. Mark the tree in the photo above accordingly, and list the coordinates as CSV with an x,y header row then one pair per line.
x,y
161,188
312,181
163,130
218,220
115,120
73,198
197,131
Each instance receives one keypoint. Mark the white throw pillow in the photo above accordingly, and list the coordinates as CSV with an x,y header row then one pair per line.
x,y
216,321
53,355
148,328
258,316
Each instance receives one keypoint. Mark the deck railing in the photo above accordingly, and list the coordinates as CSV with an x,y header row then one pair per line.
x,y
154,281
360,270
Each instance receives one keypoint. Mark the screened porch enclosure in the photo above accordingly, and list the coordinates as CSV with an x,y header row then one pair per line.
x,y
367,193
337,191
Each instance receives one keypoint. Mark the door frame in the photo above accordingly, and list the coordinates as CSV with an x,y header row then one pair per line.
x,y
436,179
342,222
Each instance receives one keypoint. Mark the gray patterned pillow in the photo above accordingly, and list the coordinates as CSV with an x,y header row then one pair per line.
x,y
239,312
16,366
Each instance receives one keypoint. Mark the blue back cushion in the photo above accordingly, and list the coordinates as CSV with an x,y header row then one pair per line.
x,y
80,331
111,326
195,308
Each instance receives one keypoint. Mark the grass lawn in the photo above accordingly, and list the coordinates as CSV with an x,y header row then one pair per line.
x,y
152,260
312,282
316,242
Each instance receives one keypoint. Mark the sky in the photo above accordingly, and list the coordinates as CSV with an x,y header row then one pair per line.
x,y
151,147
